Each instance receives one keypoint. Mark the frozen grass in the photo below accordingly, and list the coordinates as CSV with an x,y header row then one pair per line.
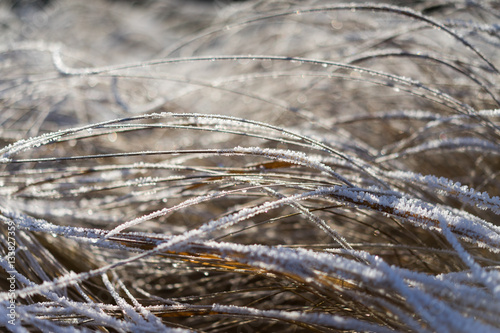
x,y
265,166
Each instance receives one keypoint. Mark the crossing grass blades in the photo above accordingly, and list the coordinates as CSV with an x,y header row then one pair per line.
x,y
286,167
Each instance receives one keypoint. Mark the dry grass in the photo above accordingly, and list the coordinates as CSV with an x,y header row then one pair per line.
x,y
261,166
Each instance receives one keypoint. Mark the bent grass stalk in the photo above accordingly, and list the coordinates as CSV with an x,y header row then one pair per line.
x,y
302,187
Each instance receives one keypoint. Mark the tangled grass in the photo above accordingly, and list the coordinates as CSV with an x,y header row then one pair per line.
x,y
267,166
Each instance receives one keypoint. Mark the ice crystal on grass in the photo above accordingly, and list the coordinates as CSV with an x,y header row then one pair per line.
x,y
258,166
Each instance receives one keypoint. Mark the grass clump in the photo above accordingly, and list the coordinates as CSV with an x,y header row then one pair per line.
x,y
260,166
